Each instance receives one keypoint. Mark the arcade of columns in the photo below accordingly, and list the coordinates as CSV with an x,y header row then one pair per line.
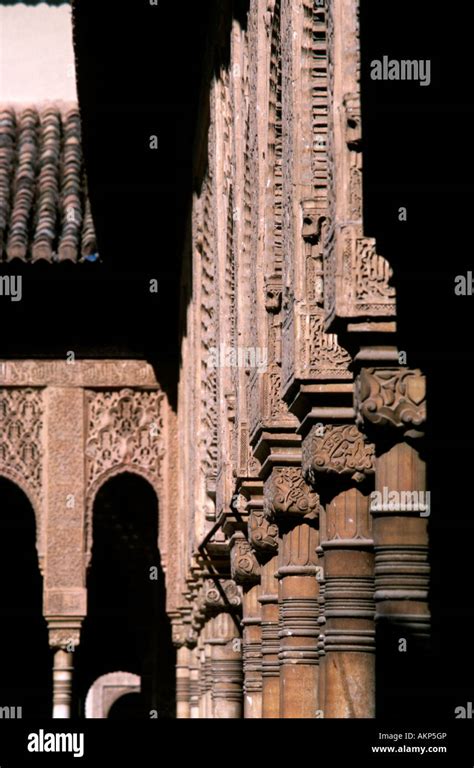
x,y
293,403
66,428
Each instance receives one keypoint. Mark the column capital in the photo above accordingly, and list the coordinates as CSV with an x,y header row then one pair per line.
x,y
288,494
262,529
244,566
341,450
64,634
221,595
391,397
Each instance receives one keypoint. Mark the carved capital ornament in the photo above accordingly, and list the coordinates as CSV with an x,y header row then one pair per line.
x,y
342,450
288,493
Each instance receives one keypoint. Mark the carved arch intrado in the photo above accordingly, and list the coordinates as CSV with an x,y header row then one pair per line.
x,y
108,689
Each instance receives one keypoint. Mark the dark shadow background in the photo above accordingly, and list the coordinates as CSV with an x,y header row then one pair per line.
x,y
26,662
417,154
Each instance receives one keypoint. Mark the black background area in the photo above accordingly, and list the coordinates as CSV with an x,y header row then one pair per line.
x,y
418,154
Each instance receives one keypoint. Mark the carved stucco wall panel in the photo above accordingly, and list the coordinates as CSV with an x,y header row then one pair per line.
x,y
60,442
22,424
65,487
126,433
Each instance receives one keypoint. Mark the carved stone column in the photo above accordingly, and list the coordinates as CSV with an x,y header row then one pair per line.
x,y
182,683
392,408
222,598
252,651
64,591
62,683
205,676
203,711
63,639
246,571
194,684
264,537
296,507
337,464
182,667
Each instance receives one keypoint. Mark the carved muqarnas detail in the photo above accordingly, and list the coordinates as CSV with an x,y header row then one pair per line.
x,y
342,450
263,531
244,566
21,426
391,397
221,594
288,493
124,428
322,354
372,273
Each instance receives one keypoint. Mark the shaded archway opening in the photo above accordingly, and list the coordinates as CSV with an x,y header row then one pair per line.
x,y
25,657
131,706
126,625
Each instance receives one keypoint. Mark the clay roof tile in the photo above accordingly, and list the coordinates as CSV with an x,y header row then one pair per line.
x,y
44,207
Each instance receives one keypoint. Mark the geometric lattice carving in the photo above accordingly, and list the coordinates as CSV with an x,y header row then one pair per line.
x,y
124,428
21,428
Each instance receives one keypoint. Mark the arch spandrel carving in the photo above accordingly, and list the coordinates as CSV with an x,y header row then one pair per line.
x,y
21,449
126,432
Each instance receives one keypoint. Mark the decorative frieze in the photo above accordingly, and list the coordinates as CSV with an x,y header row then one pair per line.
x,y
21,441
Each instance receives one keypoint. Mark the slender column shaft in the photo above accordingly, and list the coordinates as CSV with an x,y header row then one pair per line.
x,y
194,684
349,608
62,684
252,651
299,627
226,665
401,543
270,640
202,675
182,684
